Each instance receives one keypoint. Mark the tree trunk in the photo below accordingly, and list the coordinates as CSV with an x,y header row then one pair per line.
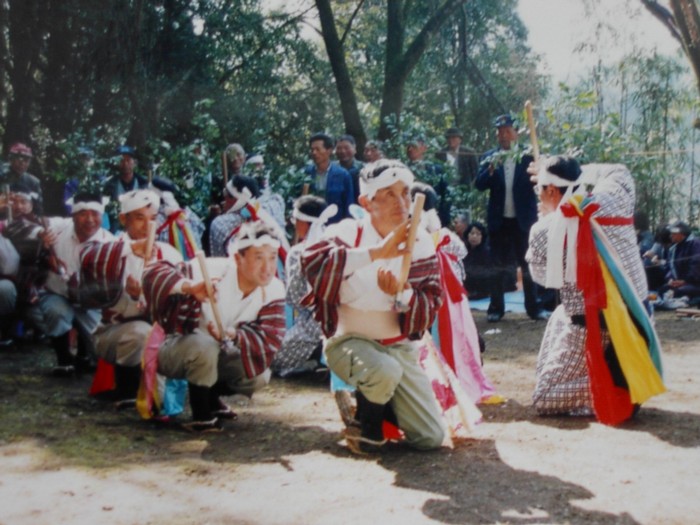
x,y
25,50
343,82
400,63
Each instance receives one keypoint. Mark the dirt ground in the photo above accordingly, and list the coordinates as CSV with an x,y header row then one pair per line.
x,y
67,458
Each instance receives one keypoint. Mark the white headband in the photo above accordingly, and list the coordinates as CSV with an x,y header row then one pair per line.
x,y
137,199
393,171
246,242
88,205
326,214
545,178
242,197
29,196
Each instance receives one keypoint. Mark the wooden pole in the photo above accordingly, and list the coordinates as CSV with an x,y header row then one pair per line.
x,y
150,242
210,293
411,239
224,167
533,130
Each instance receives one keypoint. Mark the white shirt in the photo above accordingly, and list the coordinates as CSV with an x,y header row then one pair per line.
x,y
364,308
67,248
133,265
233,307
509,174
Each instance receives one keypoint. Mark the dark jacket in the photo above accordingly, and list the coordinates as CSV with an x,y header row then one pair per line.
x,y
684,259
524,197
339,189
467,164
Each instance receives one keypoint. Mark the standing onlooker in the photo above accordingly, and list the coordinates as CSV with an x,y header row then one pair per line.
x,y
345,150
512,210
430,173
329,180
460,157
20,157
373,151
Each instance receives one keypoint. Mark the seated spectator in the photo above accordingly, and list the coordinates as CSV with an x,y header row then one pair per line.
x,y
478,264
683,275
645,239
655,259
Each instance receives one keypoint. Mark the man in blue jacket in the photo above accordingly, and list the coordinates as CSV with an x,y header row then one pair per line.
x,y
512,210
683,276
327,179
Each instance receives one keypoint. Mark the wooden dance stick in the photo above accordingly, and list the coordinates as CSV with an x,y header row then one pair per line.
x,y
411,239
224,165
533,130
210,293
7,203
150,242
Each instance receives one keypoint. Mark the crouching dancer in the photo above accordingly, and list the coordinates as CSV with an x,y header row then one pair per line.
x,y
249,300
373,325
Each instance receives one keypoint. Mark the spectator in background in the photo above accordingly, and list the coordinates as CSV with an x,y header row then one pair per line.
x,y
461,158
656,258
373,151
460,224
430,173
345,150
478,265
512,210
645,239
20,157
329,180
272,202
683,275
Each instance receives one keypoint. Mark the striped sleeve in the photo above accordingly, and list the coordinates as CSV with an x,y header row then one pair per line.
x,y
101,272
176,313
259,340
323,264
424,278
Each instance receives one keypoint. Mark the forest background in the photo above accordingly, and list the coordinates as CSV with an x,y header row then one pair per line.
x,y
180,79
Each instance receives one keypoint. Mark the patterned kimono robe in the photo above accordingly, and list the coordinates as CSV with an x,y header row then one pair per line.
x,y
562,374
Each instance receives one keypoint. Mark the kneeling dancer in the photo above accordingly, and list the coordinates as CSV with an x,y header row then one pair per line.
x,y
372,321
249,300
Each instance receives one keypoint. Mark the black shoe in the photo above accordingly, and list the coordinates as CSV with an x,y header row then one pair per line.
x,y
223,411
124,404
63,371
493,317
204,427
542,315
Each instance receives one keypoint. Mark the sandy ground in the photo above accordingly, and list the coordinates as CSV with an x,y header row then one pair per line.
x,y
65,458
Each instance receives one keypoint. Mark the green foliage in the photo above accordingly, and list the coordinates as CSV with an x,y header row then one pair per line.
x,y
637,114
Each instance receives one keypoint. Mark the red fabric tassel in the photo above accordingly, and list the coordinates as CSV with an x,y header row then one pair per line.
x,y
611,403
103,380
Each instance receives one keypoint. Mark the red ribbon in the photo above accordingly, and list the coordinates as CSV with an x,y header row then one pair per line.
x,y
611,403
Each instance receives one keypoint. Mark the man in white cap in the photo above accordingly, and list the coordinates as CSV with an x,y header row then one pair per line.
x,y
111,276
371,320
250,305
58,308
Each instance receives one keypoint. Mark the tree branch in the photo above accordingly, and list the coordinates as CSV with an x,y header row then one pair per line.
x,y
348,26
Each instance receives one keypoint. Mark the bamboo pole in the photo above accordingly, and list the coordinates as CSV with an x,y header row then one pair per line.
x,y
411,239
533,130
210,293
